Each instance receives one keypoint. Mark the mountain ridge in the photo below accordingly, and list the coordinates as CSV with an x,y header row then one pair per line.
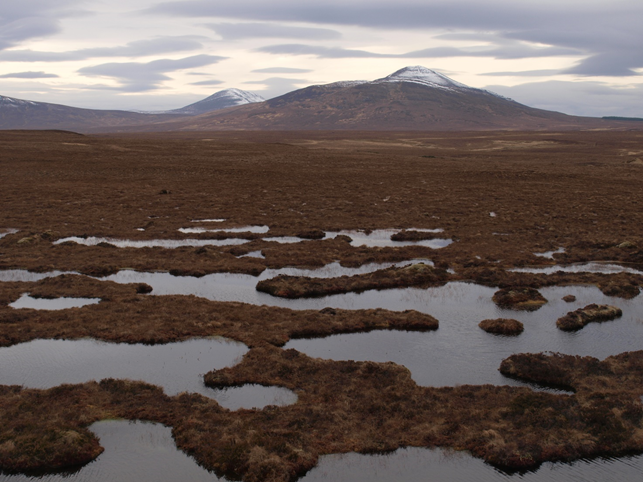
x,y
412,98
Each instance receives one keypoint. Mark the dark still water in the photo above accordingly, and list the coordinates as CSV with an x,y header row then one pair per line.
x,y
134,452
459,352
176,367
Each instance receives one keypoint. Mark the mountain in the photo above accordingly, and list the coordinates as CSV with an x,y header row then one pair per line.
x,y
220,100
25,114
413,98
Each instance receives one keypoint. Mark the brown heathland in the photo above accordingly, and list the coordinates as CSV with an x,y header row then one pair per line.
x,y
550,190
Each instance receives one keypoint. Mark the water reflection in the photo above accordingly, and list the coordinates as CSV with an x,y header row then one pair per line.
x,y
243,229
253,254
177,367
459,352
26,301
382,238
414,464
550,254
594,267
153,243
6,232
134,452
378,238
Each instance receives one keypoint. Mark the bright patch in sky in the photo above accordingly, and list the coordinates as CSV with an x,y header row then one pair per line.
x,y
566,55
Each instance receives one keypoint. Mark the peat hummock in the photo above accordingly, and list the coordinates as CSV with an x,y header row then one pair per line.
x,y
528,299
575,320
502,326
419,274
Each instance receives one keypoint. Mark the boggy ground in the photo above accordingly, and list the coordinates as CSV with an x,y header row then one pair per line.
x,y
343,406
580,191
418,274
577,190
127,316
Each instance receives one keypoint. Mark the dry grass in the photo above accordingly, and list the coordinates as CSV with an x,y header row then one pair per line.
x,y
344,406
575,320
502,326
302,287
573,190
528,299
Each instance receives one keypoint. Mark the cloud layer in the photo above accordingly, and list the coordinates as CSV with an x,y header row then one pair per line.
x,y
140,77
608,34
64,47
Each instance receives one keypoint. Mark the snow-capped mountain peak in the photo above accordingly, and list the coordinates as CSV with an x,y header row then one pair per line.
x,y
421,75
11,102
240,97
220,100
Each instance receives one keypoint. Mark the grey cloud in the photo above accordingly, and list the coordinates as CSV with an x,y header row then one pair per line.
x,y
208,82
29,19
321,52
607,34
282,70
236,31
139,48
377,13
276,86
525,73
29,75
615,64
578,98
142,48
515,52
140,77
14,32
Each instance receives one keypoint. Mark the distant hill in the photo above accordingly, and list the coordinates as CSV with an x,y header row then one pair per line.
x,y
630,119
220,100
413,98
25,114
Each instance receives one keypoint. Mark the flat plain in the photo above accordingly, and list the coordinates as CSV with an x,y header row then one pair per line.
x,y
502,198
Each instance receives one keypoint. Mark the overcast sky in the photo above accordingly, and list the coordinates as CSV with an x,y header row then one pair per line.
x,y
581,57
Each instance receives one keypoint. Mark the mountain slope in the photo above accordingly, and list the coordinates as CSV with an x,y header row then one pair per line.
x,y
413,98
24,114
220,100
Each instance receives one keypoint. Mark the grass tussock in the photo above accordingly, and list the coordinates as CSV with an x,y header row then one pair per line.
x,y
418,274
502,326
126,315
528,299
578,319
343,406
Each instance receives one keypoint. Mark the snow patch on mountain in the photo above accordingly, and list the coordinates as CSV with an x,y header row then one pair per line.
x,y
15,103
347,83
220,100
421,75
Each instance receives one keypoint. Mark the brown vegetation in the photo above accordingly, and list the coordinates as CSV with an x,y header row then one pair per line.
x,y
123,315
412,235
419,274
345,406
502,326
549,190
575,320
527,299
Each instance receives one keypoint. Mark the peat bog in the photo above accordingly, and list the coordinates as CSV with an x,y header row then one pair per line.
x,y
357,205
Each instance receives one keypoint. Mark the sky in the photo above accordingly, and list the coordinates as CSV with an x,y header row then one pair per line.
x,y
581,57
